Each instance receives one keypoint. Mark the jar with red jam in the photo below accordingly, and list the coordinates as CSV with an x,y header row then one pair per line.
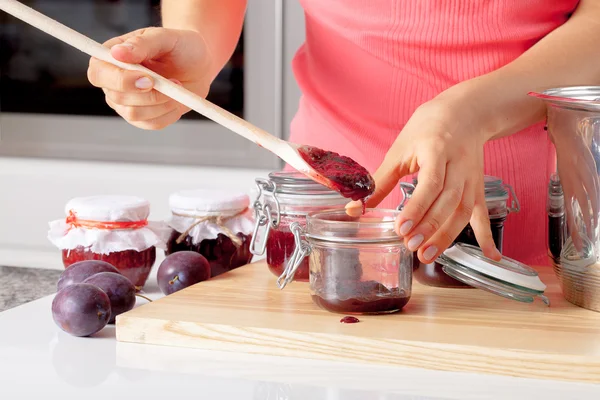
x,y
215,224
358,265
496,197
114,229
284,198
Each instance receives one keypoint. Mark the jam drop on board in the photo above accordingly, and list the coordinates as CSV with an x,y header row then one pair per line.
x,y
369,297
349,320
347,177
221,253
280,247
135,265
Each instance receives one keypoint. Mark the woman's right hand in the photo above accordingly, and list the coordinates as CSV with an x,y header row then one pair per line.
x,y
179,55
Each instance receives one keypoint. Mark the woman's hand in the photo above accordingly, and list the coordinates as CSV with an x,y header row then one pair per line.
x,y
445,147
179,55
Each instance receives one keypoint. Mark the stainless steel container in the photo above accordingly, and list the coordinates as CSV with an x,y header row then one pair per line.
x,y
573,123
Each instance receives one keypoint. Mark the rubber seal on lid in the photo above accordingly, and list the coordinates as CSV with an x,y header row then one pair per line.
x,y
508,278
208,201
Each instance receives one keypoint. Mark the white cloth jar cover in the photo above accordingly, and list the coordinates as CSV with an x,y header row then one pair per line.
x,y
108,224
204,214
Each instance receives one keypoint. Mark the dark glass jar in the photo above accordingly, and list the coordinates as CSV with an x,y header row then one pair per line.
x,y
285,198
557,226
358,265
217,225
114,229
496,196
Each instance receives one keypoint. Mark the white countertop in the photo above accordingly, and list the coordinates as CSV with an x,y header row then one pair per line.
x,y
39,361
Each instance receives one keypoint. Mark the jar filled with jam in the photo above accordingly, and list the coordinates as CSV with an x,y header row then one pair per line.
x,y
215,224
284,198
496,197
114,229
358,265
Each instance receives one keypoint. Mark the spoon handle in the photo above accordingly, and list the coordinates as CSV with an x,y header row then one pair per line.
x,y
163,85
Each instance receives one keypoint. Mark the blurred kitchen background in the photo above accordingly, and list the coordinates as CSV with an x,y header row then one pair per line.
x,y
58,138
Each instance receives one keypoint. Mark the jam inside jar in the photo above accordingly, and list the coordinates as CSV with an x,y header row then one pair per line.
x,y
284,199
496,196
133,264
215,224
358,265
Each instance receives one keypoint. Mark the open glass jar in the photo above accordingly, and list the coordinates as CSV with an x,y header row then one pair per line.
x,y
285,198
358,265
215,224
496,197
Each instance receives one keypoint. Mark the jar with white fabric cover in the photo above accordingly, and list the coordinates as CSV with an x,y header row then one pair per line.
x,y
114,229
215,224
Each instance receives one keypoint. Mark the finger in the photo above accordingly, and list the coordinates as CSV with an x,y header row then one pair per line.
x,y
386,178
445,205
480,222
104,75
452,227
151,98
144,45
431,181
160,122
140,114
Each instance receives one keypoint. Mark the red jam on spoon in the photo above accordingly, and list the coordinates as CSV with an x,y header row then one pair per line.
x,y
346,176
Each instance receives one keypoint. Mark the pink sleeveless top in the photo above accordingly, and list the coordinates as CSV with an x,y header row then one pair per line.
x,y
367,65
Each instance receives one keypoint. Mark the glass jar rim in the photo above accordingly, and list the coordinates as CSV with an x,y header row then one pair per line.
x,y
294,183
374,226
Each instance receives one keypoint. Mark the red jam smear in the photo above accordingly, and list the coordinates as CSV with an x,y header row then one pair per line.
x,y
280,247
135,265
349,320
369,297
348,177
222,254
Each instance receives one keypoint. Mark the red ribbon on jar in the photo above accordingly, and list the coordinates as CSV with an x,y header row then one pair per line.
x,y
75,222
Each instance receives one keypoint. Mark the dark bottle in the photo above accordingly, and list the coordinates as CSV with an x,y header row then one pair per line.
x,y
557,229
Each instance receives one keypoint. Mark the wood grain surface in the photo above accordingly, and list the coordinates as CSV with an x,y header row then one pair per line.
x,y
465,330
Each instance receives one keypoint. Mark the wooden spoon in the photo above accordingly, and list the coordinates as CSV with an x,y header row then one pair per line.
x,y
289,152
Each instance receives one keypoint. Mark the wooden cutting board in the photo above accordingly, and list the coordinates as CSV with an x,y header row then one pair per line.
x,y
464,330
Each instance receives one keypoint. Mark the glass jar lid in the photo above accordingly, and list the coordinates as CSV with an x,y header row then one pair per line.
x,y
508,278
374,226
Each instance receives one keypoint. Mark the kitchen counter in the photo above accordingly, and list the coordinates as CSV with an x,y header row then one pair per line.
x,y
22,285
34,350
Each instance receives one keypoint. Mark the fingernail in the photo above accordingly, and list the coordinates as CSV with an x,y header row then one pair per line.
x,y
430,253
125,45
415,242
143,83
405,227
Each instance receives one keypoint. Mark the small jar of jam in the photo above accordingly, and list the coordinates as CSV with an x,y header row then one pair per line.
x,y
114,229
285,198
216,224
358,265
496,197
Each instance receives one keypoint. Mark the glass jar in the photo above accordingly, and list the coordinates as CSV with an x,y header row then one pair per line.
x,y
496,197
215,224
358,265
114,229
285,198
557,225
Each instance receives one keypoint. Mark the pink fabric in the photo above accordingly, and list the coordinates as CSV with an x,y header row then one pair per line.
x,y
367,65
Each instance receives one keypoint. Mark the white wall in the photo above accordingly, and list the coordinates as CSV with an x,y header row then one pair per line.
x,y
34,192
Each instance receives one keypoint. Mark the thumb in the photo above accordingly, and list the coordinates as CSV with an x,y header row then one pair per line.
x,y
386,178
145,45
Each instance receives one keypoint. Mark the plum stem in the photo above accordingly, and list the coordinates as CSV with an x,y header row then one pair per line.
x,y
175,279
143,297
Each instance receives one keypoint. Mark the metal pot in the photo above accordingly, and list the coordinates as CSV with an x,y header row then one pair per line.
x,y
573,123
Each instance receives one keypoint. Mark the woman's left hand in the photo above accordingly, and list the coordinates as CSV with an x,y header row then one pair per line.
x,y
445,146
